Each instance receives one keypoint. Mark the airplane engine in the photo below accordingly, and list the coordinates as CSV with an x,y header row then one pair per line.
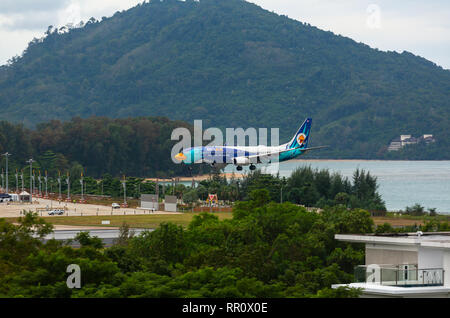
x,y
241,161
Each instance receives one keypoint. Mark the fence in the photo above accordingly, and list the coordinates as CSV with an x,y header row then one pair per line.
x,y
405,275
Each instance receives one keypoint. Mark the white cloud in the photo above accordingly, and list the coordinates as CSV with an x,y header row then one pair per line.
x,y
20,6
14,42
421,27
22,20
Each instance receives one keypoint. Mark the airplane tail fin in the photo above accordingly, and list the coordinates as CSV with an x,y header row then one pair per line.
x,y
301,138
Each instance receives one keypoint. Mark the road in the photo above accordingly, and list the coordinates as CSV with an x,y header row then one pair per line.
x,y
73,209
107,235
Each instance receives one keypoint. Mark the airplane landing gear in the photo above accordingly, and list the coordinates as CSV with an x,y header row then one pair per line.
x,y
239,168
252,167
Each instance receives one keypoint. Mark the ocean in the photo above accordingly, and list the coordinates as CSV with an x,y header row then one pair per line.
x,y
401,183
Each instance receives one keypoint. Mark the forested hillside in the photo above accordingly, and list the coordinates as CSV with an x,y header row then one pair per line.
x,y
232,64
98,145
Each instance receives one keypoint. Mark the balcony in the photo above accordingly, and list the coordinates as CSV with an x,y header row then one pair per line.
x,y
399,275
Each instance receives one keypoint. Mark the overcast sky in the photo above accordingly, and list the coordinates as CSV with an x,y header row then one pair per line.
x,y
419,26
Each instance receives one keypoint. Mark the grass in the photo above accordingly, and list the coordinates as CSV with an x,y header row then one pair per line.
x,y
153,221
137,221
439,217
408,220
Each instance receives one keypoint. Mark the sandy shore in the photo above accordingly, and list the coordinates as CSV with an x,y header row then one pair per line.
x,y
72,209
229,175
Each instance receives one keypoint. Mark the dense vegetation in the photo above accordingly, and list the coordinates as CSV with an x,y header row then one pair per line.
x,y
107,149
98,145
231,64
266,250
305,186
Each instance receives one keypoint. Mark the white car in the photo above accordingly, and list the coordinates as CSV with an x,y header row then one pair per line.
x,y
56,212
115,206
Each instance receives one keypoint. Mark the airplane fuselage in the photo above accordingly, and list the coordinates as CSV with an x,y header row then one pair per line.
x,y
249,155
237,155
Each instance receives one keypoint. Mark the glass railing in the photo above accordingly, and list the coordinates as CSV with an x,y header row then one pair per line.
x,y
399,275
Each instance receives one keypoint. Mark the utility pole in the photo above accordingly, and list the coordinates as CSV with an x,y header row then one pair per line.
x,y
31,178
3,180
6,154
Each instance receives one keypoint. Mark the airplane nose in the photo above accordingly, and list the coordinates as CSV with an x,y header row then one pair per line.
x,y
180,157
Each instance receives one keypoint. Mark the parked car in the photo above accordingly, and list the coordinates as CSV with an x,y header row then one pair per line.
x,y
115,206
56,212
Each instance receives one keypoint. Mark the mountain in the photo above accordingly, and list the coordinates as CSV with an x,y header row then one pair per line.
x,y
232,64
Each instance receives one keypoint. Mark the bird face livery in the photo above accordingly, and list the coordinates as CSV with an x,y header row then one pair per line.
x,y
301,139
239,156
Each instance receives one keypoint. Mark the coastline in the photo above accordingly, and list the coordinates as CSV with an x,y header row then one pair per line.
x,y
368,160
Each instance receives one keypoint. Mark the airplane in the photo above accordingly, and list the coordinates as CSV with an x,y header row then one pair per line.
x,y
221,156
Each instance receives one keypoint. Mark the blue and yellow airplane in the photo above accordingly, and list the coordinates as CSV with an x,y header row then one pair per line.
x,y
220,156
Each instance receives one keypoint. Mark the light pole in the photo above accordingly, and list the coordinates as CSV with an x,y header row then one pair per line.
x,y
31,178
34,181
124,183
45,179
21,178
282,184
81,182
39,181
6,154
68,186
17,181
59,185
3,180
139,189
281,195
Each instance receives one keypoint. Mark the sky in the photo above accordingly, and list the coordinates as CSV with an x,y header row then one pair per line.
x,y
418,26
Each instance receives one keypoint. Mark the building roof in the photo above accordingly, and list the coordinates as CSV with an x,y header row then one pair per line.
x,y
427,239
381,290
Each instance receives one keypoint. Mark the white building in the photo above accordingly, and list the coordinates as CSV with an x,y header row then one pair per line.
x,y
395,145
170,203
404,140
150,202
403,265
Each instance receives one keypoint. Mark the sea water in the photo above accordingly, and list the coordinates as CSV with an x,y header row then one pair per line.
x,y
401,183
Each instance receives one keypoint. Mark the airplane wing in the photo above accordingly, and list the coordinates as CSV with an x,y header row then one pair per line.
x,y
269,155
314,148
257,158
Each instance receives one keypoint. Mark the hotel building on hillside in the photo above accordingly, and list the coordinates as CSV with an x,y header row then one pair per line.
x,y
404,140
403,265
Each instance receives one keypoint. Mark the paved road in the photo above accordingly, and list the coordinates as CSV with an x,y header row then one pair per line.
x,y
72,209
107,235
